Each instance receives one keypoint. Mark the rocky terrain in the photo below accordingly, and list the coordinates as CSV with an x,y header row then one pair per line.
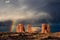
x,y
29,36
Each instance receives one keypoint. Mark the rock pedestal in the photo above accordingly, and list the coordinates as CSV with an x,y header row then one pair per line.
x,y
29,29
45,28
20,28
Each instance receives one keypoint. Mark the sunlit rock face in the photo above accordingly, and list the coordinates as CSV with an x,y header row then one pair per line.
x,y
32,29
29,28
45,28
36,29
20,28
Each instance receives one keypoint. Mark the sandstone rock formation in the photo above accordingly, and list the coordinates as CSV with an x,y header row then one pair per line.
x,y
29,29
45,28
20,28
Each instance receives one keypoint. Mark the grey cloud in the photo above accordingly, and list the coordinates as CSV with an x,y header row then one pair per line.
x,y
31,9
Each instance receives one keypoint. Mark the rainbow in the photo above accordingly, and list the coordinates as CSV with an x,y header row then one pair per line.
x,y
12,26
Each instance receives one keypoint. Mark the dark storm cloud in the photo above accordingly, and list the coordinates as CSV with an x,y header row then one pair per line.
x,y
23,9
35,10
52,7
5,26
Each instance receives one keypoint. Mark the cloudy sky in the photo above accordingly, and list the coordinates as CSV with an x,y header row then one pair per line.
x,y
33,11
30,10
